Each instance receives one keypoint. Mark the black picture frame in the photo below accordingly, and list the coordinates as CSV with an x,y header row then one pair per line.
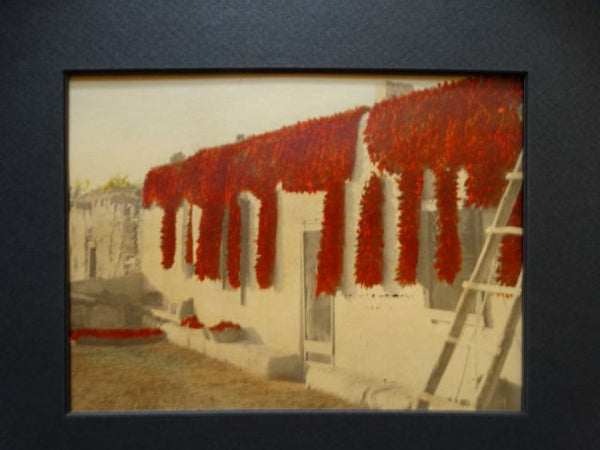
x,y
553,44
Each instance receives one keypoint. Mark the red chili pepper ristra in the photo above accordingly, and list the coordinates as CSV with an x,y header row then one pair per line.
x,y
162,186
511,249
233,243
410,185
208,251
267,238
331,253
189,239
448,254
369,255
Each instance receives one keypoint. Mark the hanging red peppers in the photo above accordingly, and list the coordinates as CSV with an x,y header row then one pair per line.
x,y
306,157
234,231
448,254
473,124
369,255
208,251
511,249
167,237
189,239
267,239
331,253
410,186
162,186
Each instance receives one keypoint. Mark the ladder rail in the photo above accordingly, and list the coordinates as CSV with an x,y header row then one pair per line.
x,y
503,212
486,257
491,378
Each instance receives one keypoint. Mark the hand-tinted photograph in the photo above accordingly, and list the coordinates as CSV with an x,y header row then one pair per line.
x,y
305,242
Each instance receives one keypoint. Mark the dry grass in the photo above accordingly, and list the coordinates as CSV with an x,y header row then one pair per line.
x,y
162,376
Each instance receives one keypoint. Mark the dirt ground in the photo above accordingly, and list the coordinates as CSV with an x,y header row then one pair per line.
x,y
162,376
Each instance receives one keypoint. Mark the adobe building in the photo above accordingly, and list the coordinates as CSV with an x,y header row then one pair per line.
x,y
318,297
107,289
103,234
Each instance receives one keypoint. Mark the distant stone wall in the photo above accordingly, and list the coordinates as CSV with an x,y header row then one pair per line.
x,y
131,286
113,303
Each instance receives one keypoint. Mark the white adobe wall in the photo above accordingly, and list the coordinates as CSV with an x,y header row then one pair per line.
x,y
269,316
386,331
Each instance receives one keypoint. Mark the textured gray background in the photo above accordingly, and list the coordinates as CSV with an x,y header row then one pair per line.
x,y
554,43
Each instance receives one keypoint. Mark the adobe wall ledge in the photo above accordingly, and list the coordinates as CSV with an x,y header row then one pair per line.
x,y
355,388
258,359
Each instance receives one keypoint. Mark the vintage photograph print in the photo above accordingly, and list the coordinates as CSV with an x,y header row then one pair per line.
x,y
309,241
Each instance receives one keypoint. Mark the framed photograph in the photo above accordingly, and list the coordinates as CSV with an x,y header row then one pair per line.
x,y
300,225
357,236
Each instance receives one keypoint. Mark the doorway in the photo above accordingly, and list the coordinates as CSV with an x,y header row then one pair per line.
x,y
317,311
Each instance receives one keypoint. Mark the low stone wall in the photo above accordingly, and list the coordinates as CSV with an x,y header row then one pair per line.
x,y
376,394
258,359
112,303
355,388
131,286
106,316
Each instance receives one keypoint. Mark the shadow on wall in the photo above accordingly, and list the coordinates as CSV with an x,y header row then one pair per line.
x,y
288,367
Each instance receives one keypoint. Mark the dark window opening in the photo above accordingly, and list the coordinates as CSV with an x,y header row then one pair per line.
x,y
92,262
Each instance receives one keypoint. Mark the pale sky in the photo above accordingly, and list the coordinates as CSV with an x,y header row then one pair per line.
x,y
126,125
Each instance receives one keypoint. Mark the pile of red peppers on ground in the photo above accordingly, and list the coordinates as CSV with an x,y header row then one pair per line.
x,y
115,333
191,322
223,325
472,124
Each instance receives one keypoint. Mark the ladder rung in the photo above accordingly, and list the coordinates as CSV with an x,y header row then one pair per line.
x,y
452,340
492,288
515,231
492,351
322,365
514,176
455,341
441,402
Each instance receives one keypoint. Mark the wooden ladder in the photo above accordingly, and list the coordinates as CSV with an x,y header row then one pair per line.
x,y
479,282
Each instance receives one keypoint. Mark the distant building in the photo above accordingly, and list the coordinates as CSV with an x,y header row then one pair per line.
x,y
103,233
392,88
